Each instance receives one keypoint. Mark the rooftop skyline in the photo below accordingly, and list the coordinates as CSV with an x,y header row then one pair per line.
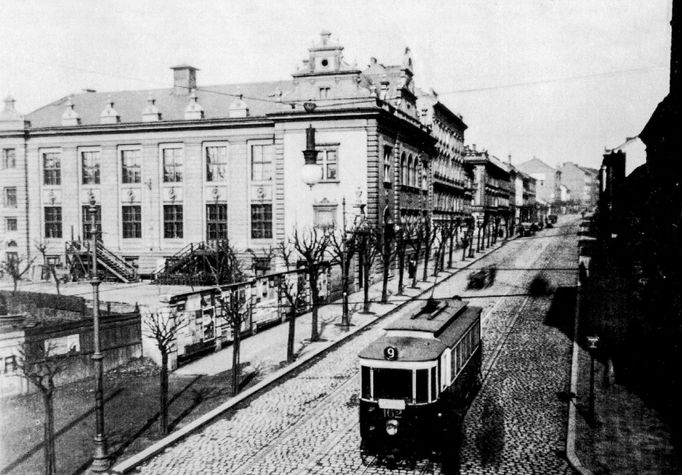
x,y
556,80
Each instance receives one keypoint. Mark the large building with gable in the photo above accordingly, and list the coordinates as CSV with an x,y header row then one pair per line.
x,y
167,168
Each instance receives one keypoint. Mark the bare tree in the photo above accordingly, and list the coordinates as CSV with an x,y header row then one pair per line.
x,y
369,249
414,235
388,253
293,292
41,368
312,246
233,301
430,236
12,266
42,249
164,326
343,244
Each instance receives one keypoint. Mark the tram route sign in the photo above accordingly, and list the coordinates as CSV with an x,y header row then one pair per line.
x,y
391,353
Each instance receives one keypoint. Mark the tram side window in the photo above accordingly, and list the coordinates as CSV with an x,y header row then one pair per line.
x,y
477,334
434,383
422,385
365,377
460,356
453,365
392,383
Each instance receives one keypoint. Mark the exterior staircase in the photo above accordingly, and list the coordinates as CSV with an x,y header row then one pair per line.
x,y
78,258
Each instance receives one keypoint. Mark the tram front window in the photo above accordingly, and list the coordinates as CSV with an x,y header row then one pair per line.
x,y
392,383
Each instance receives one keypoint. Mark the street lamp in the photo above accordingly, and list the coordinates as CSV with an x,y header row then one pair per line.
x,y
311,172
345,317
592,342
100,462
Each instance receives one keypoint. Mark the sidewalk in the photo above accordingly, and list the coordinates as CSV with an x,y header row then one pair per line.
x,y
628,435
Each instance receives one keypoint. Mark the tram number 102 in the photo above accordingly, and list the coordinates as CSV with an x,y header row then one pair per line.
x,y
391,353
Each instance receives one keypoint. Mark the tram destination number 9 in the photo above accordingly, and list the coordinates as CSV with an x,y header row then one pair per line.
x,y
391,353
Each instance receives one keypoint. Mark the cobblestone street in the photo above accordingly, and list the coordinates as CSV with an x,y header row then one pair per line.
x,y
308,423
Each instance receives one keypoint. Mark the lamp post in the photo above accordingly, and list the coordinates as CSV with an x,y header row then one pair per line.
x,y
100,462
592,342
345,320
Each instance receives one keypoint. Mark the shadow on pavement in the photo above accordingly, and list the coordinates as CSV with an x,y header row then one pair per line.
x,y
490,438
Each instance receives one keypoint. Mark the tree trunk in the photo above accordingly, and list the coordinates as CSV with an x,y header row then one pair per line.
x,y
236,337
163,394
452,245
365,302
314,333
414,276
427,252
386,263
401,269
49,443
292,334
345,270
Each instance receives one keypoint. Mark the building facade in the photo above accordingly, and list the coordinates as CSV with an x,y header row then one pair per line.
x,y
166,168
493,195
548,180
582,184
452,181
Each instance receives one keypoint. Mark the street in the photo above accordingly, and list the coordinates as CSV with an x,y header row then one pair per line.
x,y
517,423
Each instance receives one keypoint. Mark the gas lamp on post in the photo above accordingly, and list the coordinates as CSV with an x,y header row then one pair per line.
x,y
311,172
100,457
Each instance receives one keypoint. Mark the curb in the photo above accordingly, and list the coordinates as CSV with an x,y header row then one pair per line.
x,y
573,459
133,461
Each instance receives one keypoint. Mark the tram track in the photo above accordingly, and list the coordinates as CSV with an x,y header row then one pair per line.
x,y
424,466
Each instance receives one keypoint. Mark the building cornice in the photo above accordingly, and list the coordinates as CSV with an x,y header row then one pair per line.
x,y
128,127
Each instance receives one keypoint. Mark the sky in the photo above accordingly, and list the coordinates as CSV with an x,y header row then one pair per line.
x,y
556,79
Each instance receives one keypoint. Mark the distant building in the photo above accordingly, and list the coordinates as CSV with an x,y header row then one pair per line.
x,y
451,180
493,191
548,180
582,184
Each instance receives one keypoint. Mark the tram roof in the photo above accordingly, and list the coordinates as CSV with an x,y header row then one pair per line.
x,y
434,316
415,348
409,348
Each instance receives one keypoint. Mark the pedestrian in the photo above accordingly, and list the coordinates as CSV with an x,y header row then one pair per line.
x,y
412,267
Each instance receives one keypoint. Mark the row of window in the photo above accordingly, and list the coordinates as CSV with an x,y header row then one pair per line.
x,y
173,221
215,160
409,169
9,197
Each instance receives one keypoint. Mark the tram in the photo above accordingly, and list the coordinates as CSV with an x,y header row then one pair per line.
x,y
417,381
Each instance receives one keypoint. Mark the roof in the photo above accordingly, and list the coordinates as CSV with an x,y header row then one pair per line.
x,y
432,317
442,328
534,165
409,348
215,100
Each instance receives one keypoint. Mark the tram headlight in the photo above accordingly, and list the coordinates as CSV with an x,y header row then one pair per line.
x,y
391,427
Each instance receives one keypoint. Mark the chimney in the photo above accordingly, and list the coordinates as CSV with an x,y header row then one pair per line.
x,y
184,79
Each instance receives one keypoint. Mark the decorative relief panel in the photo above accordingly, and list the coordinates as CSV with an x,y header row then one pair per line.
x,y
52,197
261,193
88,193
216,193
131,195
173,194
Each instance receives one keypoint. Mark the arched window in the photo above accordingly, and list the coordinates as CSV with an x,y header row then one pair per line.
x,y
412,168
